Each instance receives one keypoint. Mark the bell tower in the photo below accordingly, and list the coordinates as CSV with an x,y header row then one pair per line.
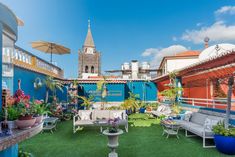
x,y
89,57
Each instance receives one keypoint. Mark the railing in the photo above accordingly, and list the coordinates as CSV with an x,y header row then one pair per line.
x,y
220,103
29,61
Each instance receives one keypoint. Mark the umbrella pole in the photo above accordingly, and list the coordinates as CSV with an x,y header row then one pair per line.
x,y
51,53
51,56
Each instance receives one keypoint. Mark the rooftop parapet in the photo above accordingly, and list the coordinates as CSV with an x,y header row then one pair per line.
x,y
27,60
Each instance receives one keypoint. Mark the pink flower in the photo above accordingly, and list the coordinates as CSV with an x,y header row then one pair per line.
x,y
38,102
26,97
27,105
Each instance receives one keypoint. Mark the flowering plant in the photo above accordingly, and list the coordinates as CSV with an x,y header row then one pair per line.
x,y
39,108
22,103
113,125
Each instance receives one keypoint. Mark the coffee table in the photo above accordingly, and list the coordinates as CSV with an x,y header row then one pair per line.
x,y
101,123
170,127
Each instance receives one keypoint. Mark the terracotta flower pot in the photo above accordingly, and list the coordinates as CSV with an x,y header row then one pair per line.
x,y
26,117
38,119
25,124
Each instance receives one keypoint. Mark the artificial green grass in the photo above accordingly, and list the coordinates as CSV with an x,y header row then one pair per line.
x,y
144,139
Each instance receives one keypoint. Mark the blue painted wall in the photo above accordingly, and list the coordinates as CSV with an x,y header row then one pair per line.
x,y
27,78
146,90
119,92
116,92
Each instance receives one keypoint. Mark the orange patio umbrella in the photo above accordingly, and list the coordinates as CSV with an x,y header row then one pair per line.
x,y
49,47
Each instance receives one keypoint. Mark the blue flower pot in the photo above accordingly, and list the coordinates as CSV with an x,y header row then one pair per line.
x,y
225,144
142,110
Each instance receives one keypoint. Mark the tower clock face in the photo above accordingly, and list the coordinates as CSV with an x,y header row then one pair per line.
x,y
90,50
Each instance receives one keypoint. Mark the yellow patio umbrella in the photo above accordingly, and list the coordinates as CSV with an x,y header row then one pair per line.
x,y
49,47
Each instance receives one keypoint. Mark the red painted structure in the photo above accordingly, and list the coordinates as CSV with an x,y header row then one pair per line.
x,y
206,79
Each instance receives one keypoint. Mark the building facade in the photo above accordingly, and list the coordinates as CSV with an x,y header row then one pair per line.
x,y
89,63
135,70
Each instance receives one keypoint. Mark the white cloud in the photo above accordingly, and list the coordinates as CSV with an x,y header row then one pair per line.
x,y
149,52
158,54
226,10
219,31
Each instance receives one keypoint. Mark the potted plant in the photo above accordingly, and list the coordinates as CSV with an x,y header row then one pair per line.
x,y
224,135
39,109
12,115
142,107
224,139
131,104
113,133
25,119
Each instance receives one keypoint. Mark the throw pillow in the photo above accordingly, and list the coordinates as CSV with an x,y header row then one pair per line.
x,y
209,123
187,117
161,108
118,115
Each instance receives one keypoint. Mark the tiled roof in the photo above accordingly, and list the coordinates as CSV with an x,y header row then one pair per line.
x,y
188,53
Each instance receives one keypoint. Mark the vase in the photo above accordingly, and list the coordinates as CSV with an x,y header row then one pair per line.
x,y
225,144
11,124
25,124
26,117
113,141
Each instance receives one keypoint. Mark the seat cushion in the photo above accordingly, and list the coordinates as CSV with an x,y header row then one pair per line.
x,y
85,114
198,130
198,118
84,122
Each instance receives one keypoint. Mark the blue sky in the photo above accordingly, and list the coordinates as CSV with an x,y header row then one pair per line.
x,y
124,29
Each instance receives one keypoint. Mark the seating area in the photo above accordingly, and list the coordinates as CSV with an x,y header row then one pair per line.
x,y
141,89
199,124
144,135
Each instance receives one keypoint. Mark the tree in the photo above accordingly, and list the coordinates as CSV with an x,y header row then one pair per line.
x,y
52,85
87,102
173,91
102,88
132,103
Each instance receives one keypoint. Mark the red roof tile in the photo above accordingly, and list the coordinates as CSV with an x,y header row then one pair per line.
x,y
188,53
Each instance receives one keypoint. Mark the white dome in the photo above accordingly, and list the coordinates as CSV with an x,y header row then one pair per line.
x,y
216,50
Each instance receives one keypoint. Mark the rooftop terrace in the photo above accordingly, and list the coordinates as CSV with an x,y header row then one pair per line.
x,y
143,139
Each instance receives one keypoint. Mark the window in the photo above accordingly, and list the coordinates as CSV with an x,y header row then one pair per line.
x,y
92,69
86,69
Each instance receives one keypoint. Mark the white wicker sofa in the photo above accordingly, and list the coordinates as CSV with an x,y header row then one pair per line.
x,y
88,117
200,124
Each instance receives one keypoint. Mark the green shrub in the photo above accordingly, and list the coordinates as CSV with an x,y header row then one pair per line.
x,y
219,129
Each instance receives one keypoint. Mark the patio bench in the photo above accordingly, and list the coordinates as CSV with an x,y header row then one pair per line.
x,y
90,117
